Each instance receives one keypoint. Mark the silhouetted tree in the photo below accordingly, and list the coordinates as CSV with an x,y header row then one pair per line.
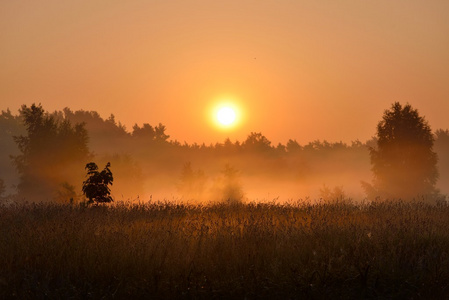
x,y
102,132
48,152
404,164
96,186
10,125
150,133
160,135
256,142
442,148
145,132
293,146
281,149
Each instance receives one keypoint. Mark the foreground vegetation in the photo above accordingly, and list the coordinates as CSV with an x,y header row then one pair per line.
x,y
163,250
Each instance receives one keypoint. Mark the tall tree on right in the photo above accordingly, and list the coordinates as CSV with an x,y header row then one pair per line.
x,y
404,164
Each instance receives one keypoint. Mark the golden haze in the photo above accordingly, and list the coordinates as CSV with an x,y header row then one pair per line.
x,y
304,70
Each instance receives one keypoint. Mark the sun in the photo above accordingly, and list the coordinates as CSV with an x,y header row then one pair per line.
x,y
226,116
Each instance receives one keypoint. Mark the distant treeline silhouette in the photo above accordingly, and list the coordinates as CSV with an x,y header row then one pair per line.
x,y
146,160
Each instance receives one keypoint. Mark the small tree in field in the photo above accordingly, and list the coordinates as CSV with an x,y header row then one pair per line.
x,y
96,186
403,163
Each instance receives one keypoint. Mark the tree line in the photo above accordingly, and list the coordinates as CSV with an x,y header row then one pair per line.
x,y
49,152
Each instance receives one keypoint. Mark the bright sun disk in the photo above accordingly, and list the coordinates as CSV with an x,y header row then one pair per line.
x,y
226,116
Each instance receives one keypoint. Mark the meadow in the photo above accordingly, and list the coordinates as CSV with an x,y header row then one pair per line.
x,y
388,250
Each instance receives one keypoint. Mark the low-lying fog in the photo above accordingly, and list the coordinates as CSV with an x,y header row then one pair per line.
x,y
147,165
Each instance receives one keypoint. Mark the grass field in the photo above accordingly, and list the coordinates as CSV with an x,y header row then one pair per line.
x,y
161,250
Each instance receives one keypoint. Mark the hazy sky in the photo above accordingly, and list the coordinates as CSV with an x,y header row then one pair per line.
x,y
296,69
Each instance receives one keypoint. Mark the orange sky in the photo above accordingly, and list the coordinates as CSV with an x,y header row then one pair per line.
x,y
303,70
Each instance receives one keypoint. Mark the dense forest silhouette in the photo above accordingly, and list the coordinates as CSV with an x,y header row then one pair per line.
x,y
49,165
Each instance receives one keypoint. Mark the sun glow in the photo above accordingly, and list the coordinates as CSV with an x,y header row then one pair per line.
x,y
226,116
226,113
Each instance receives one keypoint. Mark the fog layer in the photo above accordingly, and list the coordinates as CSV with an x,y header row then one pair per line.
x,y
148,165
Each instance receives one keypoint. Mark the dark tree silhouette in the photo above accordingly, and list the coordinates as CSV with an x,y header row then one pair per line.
x,y
146,131
49,153
96,186
102,132
293,146
256,142
10,125
403,164
150,133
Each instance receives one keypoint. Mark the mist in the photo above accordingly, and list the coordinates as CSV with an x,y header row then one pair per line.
x,y
149,166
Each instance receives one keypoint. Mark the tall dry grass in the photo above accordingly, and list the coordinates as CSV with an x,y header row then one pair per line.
x,y
162,250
